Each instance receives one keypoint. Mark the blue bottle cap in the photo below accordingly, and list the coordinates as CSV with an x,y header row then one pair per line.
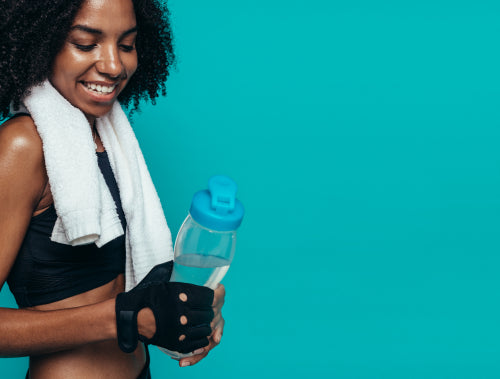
x,y
217,208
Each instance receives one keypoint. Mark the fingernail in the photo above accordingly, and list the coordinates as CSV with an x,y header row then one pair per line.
x,y
185,363
217,338
199,351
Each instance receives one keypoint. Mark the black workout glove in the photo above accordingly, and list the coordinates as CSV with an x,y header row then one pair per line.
x,y
162,297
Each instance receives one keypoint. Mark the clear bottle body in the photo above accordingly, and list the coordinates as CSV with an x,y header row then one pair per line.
x,y
202,257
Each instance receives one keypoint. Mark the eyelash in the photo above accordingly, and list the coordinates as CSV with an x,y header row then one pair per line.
x,y
84,47
128,48
87,48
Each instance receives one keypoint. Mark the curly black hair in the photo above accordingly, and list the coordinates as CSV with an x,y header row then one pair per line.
x,y
33,32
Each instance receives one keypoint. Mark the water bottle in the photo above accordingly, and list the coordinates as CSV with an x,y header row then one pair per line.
x,y
204,247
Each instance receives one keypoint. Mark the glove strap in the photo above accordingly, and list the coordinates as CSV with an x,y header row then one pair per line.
x,y
126,324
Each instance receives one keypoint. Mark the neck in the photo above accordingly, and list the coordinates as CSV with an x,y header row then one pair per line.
x,y
91,120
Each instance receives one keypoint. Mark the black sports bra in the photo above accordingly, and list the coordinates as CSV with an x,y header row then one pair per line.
x,y
46,271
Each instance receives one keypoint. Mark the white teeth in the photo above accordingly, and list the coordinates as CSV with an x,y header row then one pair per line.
x,y
100,88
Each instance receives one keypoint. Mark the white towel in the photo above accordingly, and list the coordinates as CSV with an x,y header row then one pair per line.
x,y
85,208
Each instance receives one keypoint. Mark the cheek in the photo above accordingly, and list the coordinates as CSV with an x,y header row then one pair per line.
x,y
67,66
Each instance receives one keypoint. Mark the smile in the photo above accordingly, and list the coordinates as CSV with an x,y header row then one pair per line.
x,y
99,88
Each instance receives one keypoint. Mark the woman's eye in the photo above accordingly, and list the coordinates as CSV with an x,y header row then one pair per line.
x,y
127,48
84,47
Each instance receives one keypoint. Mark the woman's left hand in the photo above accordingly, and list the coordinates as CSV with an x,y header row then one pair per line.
x,y
217,326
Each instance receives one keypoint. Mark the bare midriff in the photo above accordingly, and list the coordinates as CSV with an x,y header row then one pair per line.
x,y
97,360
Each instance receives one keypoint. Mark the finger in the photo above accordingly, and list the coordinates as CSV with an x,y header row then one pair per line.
x,y
197,317
218,331
211,344
197,332
219,325
219,295
190,361
216,320
189,345
202,352
196,296
199,296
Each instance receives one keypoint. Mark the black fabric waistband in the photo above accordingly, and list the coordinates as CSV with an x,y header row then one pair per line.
x,y
146,371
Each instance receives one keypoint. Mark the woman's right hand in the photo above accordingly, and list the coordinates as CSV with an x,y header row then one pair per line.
x,y
181,312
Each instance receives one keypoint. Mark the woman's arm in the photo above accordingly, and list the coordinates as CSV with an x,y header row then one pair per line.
x,y
29,332
22,181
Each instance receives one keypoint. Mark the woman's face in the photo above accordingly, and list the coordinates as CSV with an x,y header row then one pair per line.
x,y
98,57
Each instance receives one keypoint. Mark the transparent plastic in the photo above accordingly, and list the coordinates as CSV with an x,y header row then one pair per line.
x,y
202,257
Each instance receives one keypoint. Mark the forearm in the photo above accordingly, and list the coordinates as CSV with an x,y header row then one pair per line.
x,y
29,332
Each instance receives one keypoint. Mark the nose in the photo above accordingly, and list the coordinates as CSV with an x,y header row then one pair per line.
x,y
110,63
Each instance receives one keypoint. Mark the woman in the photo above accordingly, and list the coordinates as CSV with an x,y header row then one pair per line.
x,y
84,325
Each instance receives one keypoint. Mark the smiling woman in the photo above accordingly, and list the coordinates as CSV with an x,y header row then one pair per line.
x,y
84,245
98,57
34,33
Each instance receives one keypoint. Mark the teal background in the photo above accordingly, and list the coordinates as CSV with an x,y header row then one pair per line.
x,y
364,138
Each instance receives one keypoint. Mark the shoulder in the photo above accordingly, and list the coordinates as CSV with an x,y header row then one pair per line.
x,y
21,156
19,141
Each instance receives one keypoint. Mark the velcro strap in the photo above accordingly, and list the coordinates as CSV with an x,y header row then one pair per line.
x,y
128,336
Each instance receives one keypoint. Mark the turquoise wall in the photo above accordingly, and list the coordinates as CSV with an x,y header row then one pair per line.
x,y
364,138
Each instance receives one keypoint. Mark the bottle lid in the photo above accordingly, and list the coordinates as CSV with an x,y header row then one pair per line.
x,y
217,207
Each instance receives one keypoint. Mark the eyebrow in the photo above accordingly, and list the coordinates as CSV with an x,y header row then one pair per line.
x,y
87,29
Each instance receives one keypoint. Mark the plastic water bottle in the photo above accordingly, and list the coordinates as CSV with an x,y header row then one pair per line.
x,y
205,245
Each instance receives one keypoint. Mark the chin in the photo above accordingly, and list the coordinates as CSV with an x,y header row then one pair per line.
x,y
97,113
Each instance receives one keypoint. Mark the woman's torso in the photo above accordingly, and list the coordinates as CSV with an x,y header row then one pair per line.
x,y
46,271
98,360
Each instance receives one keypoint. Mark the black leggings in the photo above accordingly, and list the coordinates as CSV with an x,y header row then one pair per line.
x,y
145,373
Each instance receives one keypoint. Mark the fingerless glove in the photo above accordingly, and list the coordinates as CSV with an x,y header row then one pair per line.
x,y
162,297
